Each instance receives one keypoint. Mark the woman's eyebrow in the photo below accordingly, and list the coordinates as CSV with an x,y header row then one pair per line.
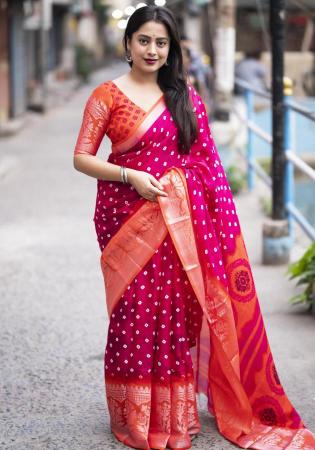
x,y
149,37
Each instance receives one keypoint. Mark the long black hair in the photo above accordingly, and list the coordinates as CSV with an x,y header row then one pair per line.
x,y
171,78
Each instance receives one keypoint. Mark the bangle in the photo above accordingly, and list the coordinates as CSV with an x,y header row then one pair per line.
x,y
126,175
123,174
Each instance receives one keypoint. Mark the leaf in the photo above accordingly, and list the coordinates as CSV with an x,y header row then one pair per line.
x,y
304,270
300,298
297,268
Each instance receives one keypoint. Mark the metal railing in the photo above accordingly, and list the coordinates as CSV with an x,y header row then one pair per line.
x,y
292,159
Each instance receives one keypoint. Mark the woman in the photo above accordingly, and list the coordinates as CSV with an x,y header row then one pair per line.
x,y
184,315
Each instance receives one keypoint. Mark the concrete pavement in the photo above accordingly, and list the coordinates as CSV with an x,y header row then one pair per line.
x,y
53,315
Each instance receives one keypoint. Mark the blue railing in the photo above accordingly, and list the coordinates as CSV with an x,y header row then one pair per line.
x,y
292,160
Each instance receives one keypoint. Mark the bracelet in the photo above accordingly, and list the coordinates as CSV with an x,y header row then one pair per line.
x,y
123,174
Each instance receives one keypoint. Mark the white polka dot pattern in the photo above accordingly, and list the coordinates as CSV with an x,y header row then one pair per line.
x,y
153,334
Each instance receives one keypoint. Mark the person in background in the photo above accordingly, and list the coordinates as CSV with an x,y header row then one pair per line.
x,y
252,70
200,74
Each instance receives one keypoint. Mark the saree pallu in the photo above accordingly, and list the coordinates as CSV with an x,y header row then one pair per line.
x,y
184,314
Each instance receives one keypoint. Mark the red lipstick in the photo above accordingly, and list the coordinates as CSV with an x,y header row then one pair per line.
x,y
150,61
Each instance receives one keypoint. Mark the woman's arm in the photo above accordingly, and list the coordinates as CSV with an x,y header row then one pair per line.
x,y
97,168
145,184
95,120
94,124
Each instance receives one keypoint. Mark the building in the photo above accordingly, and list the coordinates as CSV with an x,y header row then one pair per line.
x,y
38,41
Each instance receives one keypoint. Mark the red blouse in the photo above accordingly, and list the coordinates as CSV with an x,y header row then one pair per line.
x,y
107,111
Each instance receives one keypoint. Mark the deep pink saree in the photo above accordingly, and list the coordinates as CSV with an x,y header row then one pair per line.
x,y
184,314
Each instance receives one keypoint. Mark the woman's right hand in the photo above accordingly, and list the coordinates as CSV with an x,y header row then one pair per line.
x,y
145,184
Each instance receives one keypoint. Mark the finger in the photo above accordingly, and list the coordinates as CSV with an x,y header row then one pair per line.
x,y
157,191
156,183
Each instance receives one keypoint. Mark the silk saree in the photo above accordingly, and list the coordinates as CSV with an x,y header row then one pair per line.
x,y
184,314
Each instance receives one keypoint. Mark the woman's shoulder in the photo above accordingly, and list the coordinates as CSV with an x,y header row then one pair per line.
x,y
103,93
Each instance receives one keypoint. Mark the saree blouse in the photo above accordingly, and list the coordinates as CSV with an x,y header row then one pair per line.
x,y
108,111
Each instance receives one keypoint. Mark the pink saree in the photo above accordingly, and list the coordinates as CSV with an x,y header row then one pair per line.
x,y
184,313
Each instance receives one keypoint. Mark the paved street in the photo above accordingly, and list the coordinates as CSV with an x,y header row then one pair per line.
x,y
53,316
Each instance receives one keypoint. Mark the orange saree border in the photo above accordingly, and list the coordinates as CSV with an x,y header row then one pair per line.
x,y
130,249
232,409
168,426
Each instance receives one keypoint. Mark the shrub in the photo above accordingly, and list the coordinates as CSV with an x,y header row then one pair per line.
x,y
304,271
235,178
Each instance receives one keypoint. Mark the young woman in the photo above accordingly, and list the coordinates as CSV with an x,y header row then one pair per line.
x,y
184,315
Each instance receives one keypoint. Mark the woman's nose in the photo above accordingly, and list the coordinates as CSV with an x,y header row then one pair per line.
x,y
152,49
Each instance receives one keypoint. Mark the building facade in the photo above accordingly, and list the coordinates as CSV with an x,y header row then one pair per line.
x,y
38,40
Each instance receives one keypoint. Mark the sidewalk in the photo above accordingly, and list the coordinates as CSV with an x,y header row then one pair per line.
x,y
53,312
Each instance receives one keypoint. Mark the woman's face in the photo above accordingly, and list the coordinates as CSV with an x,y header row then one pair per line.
x,y
149,47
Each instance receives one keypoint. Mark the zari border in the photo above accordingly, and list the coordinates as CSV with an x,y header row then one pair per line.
x,y
130,249
232,409
130,403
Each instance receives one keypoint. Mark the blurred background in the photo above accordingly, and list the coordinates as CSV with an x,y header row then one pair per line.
x,y
50,48
46,45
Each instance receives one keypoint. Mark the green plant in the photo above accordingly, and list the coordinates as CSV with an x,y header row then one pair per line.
x,y
304,270
235,178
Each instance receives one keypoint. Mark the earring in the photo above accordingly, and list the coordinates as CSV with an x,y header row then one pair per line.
x,y
166,63
128,57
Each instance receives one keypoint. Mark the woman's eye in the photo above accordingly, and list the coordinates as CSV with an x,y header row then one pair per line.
x,y
145,41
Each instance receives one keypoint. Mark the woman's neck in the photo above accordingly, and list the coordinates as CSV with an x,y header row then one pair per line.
x,y
140,77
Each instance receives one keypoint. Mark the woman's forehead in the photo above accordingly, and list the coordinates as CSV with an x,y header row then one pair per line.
x,y
153,29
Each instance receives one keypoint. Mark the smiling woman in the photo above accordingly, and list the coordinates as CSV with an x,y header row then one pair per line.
x,y
184,314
